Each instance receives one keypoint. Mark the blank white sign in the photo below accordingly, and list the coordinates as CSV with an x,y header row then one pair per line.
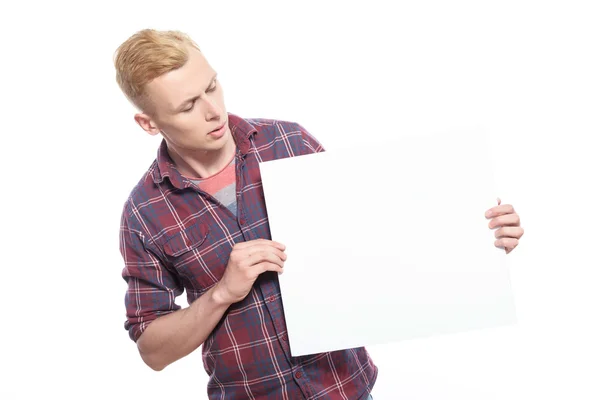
x,y
388,243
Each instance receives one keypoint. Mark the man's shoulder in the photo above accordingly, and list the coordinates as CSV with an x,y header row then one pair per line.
x,y
274,125
271,129
142,192
278,138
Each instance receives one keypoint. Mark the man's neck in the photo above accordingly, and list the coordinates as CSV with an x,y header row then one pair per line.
x,y
202,164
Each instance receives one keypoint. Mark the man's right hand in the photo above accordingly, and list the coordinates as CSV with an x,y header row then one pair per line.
x,y
175,335
246,262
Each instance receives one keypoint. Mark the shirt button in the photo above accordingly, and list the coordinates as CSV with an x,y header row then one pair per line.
x,y
298,374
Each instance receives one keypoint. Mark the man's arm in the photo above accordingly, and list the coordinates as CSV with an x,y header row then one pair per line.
x,y
165,333
175,335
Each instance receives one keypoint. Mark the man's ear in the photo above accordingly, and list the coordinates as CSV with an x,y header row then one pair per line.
x,y
146,123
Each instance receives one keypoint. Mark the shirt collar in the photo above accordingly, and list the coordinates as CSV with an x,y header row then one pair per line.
x,y
241,131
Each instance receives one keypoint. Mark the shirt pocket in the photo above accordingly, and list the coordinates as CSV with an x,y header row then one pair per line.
x,y
185,240
190,253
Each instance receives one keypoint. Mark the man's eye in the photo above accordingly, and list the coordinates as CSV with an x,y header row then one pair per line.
x,y
190,108
213,87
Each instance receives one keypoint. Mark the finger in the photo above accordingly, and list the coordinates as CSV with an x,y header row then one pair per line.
x,y
246,257
259,257
509,231
267,266
250,243
261,249
507,243
498,200
499,210
505,220
265,242
258,242
278,253
277,245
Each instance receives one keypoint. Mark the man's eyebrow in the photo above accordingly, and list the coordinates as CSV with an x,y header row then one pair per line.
x,y
194,98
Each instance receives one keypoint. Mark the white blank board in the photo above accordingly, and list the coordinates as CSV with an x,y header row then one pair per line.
x,y
388,243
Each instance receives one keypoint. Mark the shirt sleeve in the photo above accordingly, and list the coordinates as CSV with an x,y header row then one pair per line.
x,y
151,288
311,144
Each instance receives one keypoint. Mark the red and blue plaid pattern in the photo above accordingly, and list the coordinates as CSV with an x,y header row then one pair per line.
x,y
174,237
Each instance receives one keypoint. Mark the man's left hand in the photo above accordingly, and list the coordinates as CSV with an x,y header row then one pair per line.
x,y
504,217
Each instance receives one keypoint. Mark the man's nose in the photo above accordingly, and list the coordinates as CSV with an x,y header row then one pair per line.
x,y
211,110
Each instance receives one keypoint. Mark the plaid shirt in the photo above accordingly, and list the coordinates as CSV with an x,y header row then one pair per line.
x,y
174,236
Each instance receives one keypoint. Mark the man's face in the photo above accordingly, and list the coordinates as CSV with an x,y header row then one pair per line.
x,y
187,107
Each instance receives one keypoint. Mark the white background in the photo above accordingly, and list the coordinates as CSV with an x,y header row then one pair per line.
x,y
355,71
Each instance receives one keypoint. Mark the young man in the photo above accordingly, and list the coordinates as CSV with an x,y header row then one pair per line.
x,y
197,220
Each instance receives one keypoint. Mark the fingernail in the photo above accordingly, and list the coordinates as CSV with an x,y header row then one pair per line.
x,y
488,213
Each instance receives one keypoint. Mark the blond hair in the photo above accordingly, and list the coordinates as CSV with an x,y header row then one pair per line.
x,y
146,55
